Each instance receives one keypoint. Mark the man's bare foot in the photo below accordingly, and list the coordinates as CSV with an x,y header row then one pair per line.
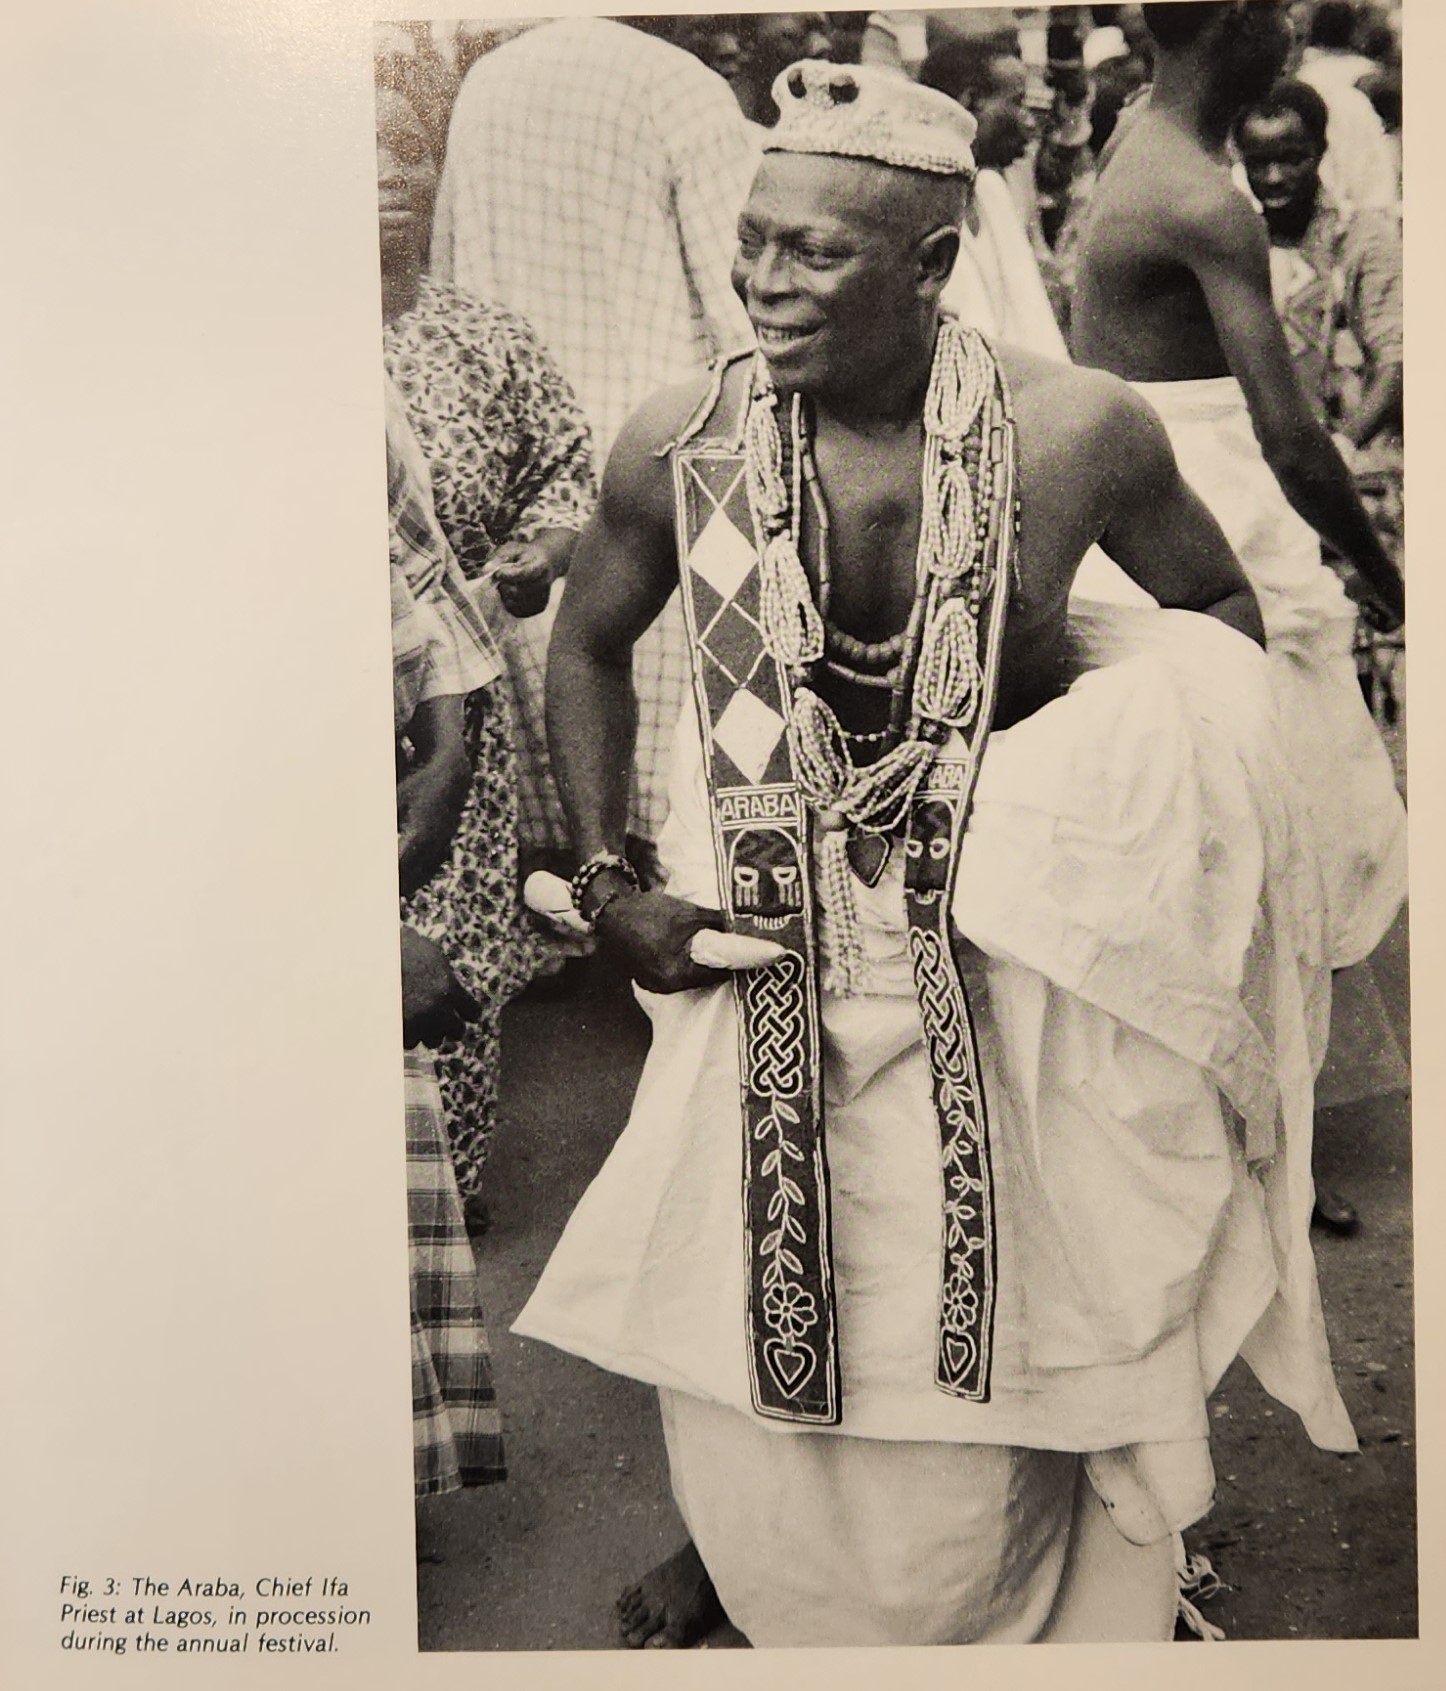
x,y
671,1607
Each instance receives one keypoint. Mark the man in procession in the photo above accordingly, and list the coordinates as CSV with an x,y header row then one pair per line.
x,y
935,1230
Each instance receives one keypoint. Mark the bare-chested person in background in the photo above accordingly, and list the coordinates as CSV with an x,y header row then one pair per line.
x,y
1174,295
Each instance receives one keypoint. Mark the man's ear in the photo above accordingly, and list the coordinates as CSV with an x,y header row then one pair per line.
x,y
937,253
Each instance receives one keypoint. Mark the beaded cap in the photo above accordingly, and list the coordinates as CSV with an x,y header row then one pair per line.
x,y
869,112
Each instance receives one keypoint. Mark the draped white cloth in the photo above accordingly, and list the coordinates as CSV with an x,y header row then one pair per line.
x,y
1360,164
1356,821
898,1543
1146,969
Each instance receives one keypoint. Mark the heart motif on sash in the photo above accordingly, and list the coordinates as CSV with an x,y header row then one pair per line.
x,y
958,1355
790,1365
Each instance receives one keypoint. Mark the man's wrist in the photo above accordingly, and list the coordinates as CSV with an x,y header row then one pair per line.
x,y
604,876
556,546
615,889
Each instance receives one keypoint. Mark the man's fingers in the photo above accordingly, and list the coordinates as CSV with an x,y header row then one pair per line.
x,y
524,594
521,569
684,976
1384,618
716,950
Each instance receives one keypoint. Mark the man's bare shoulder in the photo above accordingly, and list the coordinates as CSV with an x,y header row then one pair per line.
x,y
1077,419
1066,399
639,474
1163,175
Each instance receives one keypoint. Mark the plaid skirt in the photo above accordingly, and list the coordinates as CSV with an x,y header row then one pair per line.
x,y
456,1424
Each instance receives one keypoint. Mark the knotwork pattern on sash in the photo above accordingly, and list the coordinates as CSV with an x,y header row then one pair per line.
x,y
966,1294
968,1254
761,842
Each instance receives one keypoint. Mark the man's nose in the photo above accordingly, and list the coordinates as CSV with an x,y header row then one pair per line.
x,y
768,274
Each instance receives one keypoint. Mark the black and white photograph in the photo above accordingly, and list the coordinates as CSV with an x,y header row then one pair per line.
x,y
846,1081
993,1171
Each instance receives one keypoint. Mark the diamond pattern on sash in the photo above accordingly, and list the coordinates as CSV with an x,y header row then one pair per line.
x,y
749,731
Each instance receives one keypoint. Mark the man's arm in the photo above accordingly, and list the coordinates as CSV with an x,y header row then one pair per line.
x,y
623,569
551,487
433,792
1229,254
622,573
1374,309
1381,406
1158,529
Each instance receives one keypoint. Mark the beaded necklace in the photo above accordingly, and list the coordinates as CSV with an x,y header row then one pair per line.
x,y
876,663
936,680
934,672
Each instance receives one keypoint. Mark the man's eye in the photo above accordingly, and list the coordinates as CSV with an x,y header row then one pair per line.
x,y
749,244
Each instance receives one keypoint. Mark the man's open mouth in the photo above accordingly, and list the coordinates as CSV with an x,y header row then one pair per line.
x,y
777,340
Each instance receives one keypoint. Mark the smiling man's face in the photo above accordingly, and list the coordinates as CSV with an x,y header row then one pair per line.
x,y
1282,164
828,265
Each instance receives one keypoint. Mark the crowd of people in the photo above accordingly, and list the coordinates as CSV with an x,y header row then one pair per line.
x,y
783,410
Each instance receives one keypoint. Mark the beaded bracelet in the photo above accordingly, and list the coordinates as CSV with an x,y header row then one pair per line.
x,y
594,867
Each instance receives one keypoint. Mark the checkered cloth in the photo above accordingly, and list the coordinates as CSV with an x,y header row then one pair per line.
x,y
593,181
456,1424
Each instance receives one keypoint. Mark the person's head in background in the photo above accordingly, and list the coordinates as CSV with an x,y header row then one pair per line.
x,y
406,194
1229,53
1376,39
769,43
1131,19
1281,142
407,61
992,84
1116,73
1332,26
846,35
713,37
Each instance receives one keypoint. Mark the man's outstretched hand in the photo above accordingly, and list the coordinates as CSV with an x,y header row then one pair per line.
x,y
523,571
1383,614
649,934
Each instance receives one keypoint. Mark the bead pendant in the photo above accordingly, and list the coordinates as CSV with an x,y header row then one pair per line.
x,y
868,856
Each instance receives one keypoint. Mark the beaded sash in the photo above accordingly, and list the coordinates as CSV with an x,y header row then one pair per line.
x,y
763,841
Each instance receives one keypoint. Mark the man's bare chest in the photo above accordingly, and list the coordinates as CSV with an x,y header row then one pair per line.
x,y
861,532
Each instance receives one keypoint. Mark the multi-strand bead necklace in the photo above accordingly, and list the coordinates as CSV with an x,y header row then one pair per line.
x,y
932,667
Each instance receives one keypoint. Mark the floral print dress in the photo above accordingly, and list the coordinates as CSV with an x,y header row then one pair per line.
x,y
508,456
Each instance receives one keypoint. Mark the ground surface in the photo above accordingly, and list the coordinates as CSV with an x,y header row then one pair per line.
x,y
1310,1545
